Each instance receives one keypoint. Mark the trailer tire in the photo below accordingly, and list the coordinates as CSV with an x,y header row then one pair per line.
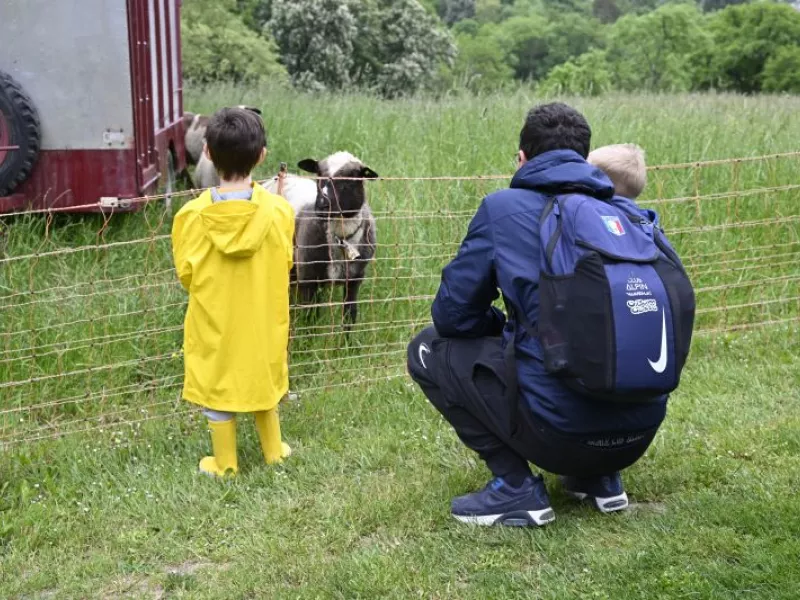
x,y
19,126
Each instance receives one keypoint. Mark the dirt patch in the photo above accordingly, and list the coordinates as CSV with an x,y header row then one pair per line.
x,y
130,586
190,567
658,508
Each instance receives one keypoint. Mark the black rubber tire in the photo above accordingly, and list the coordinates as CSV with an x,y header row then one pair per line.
x,y
22,121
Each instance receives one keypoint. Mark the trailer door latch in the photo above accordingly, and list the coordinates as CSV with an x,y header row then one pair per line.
x,y
113,202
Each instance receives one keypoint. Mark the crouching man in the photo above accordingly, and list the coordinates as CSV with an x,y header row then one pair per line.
x,y
601,311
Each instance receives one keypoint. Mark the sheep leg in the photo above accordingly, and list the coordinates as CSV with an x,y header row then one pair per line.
x,y
350,308
307,291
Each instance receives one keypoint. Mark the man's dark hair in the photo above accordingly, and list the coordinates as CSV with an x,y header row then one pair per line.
x,y
554,126
235,138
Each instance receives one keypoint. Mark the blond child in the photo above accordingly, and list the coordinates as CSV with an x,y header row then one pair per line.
x,y
232,248
625,166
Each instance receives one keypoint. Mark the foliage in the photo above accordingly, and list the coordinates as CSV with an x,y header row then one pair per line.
x,y
782,71
402,47
217,45
587,75
484,61
539,43
745,38
656,51
318,51
453,11
390,46
711,5
606,11
255,13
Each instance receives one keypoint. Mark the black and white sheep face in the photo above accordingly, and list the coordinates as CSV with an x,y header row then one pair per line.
x,y
339,198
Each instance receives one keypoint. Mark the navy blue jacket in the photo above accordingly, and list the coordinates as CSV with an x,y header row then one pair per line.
x,y
501,250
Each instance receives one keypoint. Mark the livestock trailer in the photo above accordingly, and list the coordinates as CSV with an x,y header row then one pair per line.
x,y
91,103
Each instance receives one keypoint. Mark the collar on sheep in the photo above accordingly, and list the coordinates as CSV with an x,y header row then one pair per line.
x,y
350,251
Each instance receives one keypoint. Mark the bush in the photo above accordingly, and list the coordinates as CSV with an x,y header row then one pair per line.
x,y
658,51
746,37
218,46
587,75
782,71
484,61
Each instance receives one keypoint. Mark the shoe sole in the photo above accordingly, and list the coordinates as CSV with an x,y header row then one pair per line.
x,y
604,505
516,518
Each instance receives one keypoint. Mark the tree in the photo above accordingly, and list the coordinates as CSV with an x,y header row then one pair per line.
x,y
539,42
488,11
587,75
606,11
401,46
782,71
318,51
746,37
484,60
391,46
712,5
657,51
255,13
231,52
454,11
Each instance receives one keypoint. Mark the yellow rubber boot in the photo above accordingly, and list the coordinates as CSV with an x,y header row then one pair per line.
x,y
269,432
223,443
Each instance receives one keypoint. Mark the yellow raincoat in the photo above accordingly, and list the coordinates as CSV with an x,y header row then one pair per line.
x,y
234,258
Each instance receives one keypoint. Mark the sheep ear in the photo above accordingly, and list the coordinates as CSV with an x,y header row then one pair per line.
x,y
310,165
368,173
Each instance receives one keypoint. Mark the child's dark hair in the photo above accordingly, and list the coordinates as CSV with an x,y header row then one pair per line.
x,y
235,137
554,126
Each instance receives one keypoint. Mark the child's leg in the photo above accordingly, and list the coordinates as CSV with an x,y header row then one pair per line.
x,y
223,442
269,432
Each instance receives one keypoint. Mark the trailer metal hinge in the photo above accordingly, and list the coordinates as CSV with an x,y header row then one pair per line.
x,y
113,202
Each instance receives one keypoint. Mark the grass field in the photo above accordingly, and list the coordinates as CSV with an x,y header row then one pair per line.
x,y
99,496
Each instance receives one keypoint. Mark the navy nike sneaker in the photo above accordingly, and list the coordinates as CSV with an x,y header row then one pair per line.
x,y
605,492
499,503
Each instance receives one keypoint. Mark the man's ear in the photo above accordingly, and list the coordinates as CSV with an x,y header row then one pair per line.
x,y
310,165
206,152
521,158
263,156
368,173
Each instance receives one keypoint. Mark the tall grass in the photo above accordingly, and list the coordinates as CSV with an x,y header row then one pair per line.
x,y
95,330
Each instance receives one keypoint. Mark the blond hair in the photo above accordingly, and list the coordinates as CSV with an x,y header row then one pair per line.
x,y
624,164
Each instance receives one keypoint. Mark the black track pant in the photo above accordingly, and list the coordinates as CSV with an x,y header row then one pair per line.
x,y
465,380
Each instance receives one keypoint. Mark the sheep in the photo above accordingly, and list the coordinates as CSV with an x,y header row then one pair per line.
x,y
205,175
194,127
299,191
335,234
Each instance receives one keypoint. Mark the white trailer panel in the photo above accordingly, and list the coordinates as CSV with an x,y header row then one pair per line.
x,y
80,79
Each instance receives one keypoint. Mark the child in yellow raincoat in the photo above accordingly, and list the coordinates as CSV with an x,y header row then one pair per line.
x,y
232,248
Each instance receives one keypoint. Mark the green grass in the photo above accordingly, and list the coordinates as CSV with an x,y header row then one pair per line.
x,y
360,510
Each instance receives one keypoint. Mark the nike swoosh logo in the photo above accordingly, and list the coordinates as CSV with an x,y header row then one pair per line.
x,y
423,349
661,364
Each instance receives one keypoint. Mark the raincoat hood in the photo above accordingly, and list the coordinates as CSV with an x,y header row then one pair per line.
x,y
561,171
237,228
